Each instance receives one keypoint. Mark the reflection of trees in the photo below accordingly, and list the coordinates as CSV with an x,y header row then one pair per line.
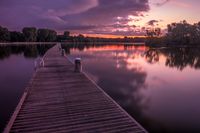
x,y
84,45
42,49
79,46
176,57
4,52
152,56
29,51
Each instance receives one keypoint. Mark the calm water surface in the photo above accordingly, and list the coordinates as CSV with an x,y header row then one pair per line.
x,y
159,87
16,69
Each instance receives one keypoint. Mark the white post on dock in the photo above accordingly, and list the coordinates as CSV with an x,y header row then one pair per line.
x,y
78,66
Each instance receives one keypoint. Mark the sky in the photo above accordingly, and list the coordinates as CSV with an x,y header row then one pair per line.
x,y
97,17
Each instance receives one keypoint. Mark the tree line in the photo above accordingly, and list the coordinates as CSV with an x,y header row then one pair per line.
x,y
181,33
31,34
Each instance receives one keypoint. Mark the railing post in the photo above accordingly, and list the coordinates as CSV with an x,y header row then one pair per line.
x,y
59,47
39,62
78,66
63,52
42,62
35,65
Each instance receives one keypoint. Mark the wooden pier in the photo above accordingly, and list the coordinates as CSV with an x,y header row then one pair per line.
x,y
59,100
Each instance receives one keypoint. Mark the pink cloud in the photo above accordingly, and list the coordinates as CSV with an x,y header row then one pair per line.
x,y
181,4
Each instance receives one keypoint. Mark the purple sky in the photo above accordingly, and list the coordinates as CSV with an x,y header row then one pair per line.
x,y
116,17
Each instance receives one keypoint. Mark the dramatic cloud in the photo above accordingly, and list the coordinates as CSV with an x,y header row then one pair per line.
x,y
84,16
153,22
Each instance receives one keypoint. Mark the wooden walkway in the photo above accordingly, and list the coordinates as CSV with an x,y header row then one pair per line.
x,y
59,100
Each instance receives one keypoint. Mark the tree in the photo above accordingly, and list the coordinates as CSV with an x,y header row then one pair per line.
x,y
66,33
16,36
64,37
46,35
42,35
157,32
80,38
183,33
30,34
154,32
4,34
195,34
52,36
154,37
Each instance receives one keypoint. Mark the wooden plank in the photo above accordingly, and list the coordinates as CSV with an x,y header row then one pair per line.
x,y
60,100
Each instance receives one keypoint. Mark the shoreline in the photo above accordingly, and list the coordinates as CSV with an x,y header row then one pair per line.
x,y
30,43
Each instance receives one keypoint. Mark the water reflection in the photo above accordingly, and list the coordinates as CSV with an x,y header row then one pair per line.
x,y
16,69
29,51
142,80
178,58
125,93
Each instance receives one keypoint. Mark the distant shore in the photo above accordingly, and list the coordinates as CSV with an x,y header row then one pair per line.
x,y
25,43
40,43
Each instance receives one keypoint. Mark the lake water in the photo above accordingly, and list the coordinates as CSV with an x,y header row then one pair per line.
x,y
159,87
16,69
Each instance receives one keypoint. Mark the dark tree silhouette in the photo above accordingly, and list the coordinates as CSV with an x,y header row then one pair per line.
x,y
4,34
66,33
46,35
16,36
30,34
183,33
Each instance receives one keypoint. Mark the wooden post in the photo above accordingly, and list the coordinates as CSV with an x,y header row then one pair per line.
x,y
78,66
